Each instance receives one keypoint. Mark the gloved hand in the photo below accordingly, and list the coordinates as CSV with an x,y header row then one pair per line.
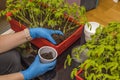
x,y
37,68
44,33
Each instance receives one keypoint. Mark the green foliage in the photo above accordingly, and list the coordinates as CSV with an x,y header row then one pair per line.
x,y
44,13
74,71
103,61
68,61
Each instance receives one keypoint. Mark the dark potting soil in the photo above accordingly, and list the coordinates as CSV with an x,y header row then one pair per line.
x,y
47,55
58,38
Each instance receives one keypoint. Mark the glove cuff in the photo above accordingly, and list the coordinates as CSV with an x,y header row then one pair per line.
x,y
32,32
26,75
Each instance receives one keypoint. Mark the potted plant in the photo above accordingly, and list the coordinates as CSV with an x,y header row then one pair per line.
x,y
89,31
103,55
81,58
47,54
55,14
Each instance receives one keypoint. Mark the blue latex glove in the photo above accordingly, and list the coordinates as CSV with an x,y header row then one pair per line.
x,y
37,68
44,33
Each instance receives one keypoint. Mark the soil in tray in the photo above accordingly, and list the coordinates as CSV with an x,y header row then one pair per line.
x,y
47,55
58,38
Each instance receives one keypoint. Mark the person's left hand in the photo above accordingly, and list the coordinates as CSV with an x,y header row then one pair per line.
x,y
44,33
37,68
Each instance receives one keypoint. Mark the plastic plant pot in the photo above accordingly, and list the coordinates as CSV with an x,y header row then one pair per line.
x,y
88,32
48,52
77,75
39,42
82,56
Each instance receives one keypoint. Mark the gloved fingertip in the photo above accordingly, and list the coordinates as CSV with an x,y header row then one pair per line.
x,y
37,57
52,40
59,32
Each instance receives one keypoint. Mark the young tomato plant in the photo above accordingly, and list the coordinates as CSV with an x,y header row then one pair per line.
x,y
103,54
46,13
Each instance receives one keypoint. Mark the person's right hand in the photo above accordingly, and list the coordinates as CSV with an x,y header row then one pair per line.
x,y
44,33
37,68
